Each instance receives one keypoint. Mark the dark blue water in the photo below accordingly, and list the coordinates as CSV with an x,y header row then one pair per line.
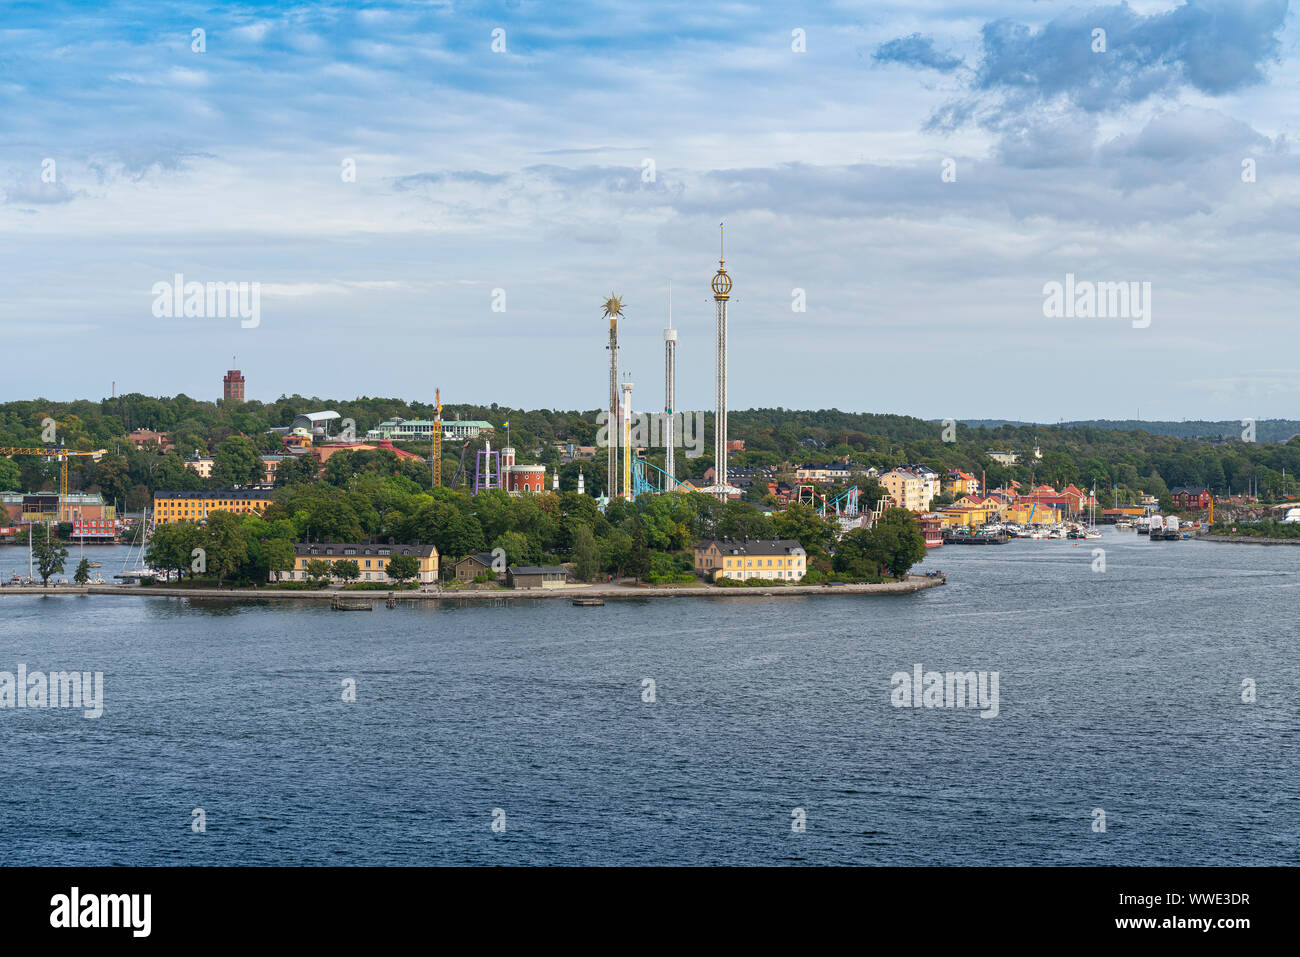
x,y
1118,690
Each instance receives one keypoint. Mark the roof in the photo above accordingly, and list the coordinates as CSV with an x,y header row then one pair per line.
x,y
755,546
483,558
317,549
250,493
74,498
428,423
538,570
318,416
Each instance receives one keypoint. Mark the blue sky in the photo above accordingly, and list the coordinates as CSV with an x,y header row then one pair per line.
x,y
526,171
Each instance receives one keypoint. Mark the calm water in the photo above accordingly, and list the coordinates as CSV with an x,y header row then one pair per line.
x,y
1118,690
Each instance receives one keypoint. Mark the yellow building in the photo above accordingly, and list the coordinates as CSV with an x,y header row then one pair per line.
x,y
372,560
972,516
957,483
782,559
1033,514
200,464
172,507
908,490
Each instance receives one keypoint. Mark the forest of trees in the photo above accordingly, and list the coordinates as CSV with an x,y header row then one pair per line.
x,y
235,435
650,539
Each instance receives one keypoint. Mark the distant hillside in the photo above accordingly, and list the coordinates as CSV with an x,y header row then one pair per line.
x,y
1266,430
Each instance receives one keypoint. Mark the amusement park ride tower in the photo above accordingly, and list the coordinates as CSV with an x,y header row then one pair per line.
x,y
626,430
670,386
721,293
613,308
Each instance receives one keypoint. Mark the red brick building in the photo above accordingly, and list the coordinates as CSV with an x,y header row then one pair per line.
x,y
1187,497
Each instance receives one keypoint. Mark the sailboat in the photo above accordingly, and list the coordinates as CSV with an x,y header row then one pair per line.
x,y
1092,531
133,565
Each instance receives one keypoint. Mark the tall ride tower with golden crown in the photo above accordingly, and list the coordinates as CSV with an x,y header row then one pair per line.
x,y
613,308
721,293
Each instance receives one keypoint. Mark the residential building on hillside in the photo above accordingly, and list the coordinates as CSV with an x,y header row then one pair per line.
x,y
958,483
195,506
1191,496
142,438
822,472
200,464
472,566
372,559
748,558
910,489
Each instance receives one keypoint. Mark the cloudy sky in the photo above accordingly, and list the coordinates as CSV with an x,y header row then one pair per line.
x,y
596,149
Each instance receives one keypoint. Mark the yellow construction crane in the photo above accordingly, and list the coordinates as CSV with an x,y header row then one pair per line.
x,y
437,438
62,454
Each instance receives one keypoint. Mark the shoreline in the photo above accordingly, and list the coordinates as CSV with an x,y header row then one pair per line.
x,y
911,585
1249,540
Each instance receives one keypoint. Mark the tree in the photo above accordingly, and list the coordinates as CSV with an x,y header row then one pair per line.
x,y
639,559
616,551
82,574
10,476
48,553
893,544
277,555
515,545
318,570
237,462
296,469
113,478
224,544
586,555
347,569
802,523
167,548
403,568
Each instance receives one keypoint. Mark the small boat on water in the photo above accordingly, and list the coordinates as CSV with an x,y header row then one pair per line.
x,y
589,602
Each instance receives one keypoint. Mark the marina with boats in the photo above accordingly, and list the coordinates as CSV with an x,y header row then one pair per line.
x,y
1157,528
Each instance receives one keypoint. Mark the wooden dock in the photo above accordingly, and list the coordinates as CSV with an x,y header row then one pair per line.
x,y
350,604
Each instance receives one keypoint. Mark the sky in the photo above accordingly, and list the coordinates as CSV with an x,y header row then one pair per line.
x,y
441,194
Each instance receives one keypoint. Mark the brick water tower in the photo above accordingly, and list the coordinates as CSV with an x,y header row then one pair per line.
x,y
234,386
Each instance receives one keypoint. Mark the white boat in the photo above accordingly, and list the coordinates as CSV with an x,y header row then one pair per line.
x,y
1091,533
1157,527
